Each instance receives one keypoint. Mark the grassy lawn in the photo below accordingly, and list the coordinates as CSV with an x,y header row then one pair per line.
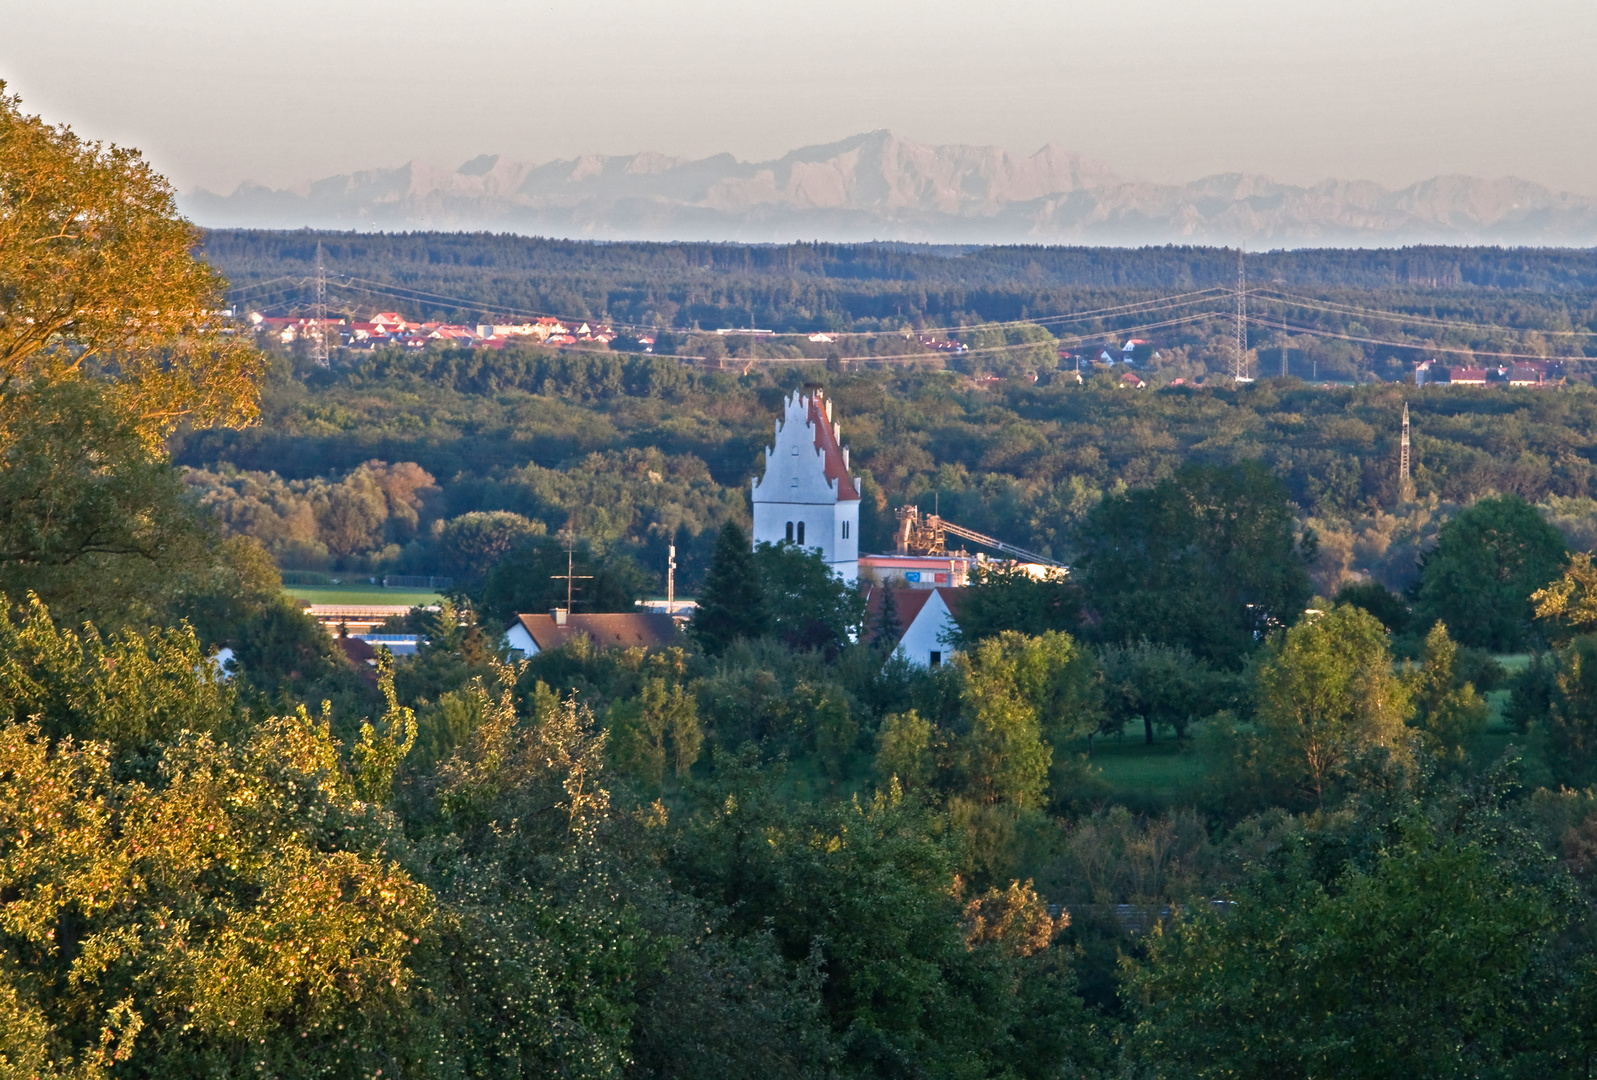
x,y
361,593
1141,774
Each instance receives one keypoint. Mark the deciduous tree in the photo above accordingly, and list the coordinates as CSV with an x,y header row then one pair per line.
x,y
1206,559
98,277
1325,693
1486,564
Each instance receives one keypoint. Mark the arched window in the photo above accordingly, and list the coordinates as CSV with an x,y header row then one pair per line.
x,y
801,532
790,532
845,530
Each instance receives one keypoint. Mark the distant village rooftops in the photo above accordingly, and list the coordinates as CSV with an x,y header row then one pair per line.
x,y
1519,373
392,328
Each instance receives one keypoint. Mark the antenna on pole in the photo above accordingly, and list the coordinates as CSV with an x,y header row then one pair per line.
x,y
671,580
1239,365
320,352
568,577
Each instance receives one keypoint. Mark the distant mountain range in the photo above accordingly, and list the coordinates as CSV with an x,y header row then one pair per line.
x,y
879,186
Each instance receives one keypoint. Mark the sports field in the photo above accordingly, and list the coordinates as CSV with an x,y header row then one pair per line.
x,y
354,593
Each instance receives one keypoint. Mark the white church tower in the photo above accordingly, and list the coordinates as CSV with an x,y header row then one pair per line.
x,y
807,496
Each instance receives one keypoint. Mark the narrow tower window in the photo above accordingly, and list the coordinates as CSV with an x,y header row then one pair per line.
x,y
801,532
790,532
845,530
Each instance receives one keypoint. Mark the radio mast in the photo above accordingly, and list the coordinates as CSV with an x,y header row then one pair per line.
x,y
1404,481
320,352
1239,364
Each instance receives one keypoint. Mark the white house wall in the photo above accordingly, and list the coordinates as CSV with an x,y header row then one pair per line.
x,y
924,635
521,641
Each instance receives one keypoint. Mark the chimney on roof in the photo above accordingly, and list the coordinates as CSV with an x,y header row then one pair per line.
x,y
559,615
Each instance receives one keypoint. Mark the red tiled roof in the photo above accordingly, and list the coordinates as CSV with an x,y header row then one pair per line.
x,y
831,453
360,654
622,630
910,602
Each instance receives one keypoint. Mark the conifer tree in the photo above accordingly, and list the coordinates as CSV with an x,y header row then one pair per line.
x,y
889,627
730,606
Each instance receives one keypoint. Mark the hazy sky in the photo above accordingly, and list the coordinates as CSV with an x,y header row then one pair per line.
x,y
218,91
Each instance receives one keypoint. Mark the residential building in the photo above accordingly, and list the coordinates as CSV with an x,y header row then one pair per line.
x,y
530,635
928,619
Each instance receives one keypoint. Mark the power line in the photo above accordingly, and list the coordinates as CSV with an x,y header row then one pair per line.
x,y
1422,346
922,357
1392,316
1192,298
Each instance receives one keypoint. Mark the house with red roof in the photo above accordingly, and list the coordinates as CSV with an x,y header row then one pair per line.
x,y
929,619
535,633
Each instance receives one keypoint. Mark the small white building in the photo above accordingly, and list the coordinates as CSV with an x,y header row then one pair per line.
x,y
807,496
928,618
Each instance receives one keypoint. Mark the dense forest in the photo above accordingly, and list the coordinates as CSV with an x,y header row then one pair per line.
x,y
631,450
1293,775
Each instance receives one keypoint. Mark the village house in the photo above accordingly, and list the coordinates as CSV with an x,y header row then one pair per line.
x,y
928,619
530,635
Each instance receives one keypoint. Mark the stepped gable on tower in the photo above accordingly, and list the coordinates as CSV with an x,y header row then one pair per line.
x,y
807,496
834,460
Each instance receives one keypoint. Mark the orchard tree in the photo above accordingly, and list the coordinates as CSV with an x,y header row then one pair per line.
x,y
1024,698
1446,708
1326,692
1161,685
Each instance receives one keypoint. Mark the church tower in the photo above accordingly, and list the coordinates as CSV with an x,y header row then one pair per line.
x,y
807,496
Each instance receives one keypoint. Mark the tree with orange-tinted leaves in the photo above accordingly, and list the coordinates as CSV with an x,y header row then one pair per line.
x,y
98,278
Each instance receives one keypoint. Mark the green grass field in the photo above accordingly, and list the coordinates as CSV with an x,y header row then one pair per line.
x,y
1141,774
1148,777
354,593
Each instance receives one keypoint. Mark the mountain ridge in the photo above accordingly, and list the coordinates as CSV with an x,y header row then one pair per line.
x,y
880,186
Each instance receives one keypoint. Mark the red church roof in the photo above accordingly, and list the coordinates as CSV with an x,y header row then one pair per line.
x,y
832,454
